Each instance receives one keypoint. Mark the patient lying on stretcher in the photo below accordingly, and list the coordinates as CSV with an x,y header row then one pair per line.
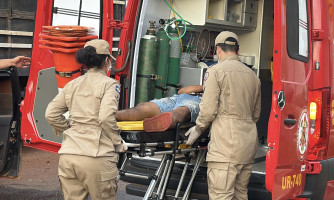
x,y
162,114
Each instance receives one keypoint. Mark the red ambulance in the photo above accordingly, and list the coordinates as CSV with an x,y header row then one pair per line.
x,y
288,43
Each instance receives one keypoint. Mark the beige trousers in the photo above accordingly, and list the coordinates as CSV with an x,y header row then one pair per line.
x,y
83,175
228,181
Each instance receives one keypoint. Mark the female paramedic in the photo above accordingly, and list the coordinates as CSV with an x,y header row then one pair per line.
x,y
91,138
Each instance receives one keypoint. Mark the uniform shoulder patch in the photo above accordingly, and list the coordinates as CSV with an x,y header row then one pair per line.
x,y
206,76
118,90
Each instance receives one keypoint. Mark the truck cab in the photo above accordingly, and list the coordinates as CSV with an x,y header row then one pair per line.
x,y
288,44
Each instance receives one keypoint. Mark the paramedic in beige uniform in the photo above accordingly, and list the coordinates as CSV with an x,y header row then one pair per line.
x,y
87,163
231,105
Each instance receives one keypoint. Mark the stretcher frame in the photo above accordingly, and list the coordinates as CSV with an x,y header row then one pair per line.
x,y
159,181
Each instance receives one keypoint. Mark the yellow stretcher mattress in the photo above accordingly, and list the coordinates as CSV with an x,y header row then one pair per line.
x,y
131,125
133,132
137,126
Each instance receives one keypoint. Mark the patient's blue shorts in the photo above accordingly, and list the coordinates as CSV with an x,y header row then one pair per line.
x,y
170,103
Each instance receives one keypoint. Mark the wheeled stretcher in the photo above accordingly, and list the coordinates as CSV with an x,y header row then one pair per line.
x,y
170,147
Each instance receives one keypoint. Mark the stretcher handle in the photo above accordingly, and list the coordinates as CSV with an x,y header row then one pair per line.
x,y
177,136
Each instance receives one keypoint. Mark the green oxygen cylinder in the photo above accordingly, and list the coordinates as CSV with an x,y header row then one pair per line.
x,y
174,63
163,62
147,61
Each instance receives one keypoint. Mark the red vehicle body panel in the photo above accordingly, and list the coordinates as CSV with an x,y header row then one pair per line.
x,y
321,78
330,37
321,49
41,59
329,194
283,165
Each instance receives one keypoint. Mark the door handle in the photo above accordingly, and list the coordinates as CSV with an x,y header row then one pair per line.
x,y
290,121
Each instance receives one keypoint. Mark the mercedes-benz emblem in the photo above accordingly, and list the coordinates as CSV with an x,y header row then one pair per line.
x,y
281,100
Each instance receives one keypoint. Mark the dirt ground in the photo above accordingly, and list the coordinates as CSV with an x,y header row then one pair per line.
x,y
39,179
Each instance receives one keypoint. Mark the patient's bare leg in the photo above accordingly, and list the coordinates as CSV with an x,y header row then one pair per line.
x,y
167,120
139,112
180,114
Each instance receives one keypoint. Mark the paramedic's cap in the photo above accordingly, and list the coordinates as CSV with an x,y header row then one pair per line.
x,y
101,46
223,38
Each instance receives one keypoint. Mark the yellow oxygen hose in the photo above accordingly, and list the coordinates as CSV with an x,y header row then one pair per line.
x,y
177,28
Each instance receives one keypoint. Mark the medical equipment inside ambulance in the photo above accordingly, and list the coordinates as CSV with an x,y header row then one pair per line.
x,y
174,52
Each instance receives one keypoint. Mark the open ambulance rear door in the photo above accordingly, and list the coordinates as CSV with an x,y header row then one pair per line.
x,y
289,119
10,142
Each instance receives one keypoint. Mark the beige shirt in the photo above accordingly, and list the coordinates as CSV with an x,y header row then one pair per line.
x,y
231,103
92,102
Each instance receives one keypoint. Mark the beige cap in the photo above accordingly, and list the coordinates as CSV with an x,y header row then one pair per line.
x,y
101,46
221,38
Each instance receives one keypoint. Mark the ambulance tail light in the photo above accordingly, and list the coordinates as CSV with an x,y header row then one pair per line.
x,y
313,116
319,110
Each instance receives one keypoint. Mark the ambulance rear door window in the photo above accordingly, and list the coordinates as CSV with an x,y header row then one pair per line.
x,y
78,12
297,29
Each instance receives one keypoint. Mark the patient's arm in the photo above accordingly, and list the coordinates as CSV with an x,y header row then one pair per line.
x,y
191,89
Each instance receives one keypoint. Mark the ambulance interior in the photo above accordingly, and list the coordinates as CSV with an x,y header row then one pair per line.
x,y
251,20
